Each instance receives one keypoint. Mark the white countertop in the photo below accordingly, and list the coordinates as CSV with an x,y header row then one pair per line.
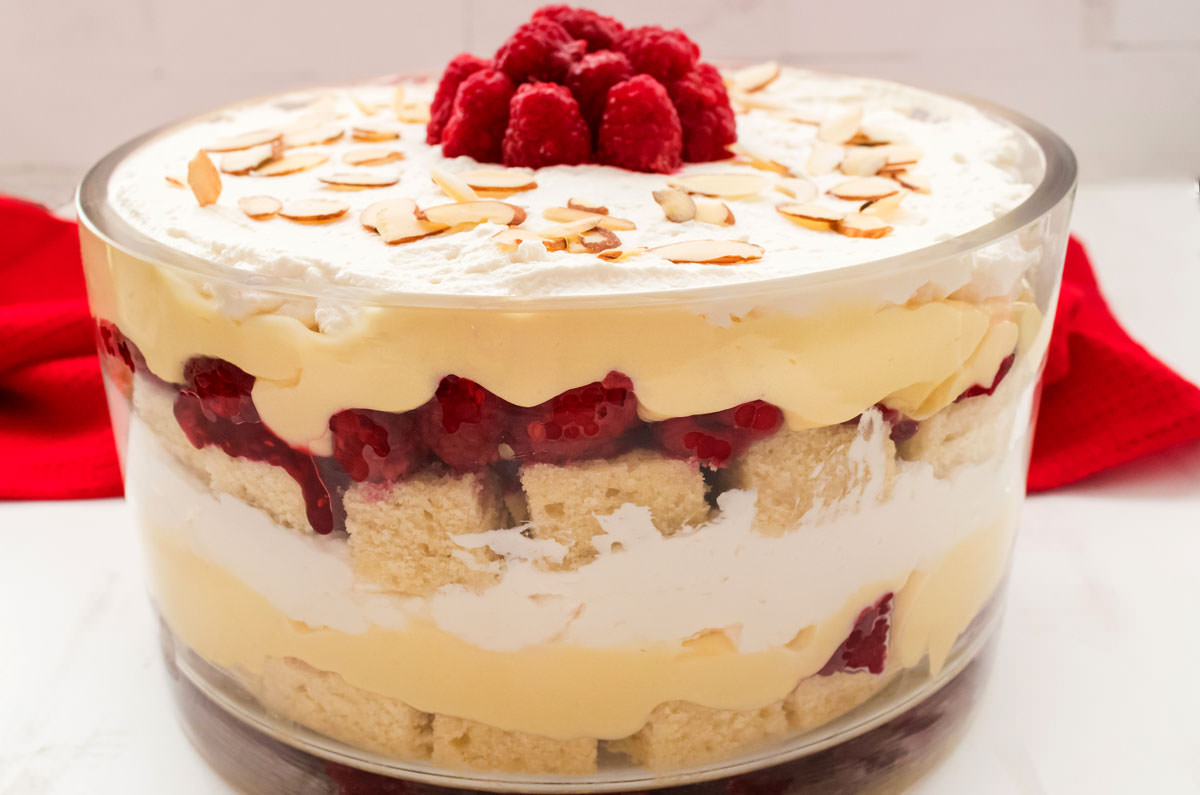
x,y
1093,691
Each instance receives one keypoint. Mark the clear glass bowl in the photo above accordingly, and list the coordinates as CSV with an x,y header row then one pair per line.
x,y
736,539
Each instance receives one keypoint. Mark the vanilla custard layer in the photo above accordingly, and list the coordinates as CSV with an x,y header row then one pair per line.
x,y
821,367
556,689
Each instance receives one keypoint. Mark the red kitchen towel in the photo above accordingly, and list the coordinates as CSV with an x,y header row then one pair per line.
x,y
1105,400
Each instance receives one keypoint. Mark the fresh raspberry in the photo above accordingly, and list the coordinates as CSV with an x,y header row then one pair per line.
x,y
476,125
715,439
378,446
600,32
903,427
459,69
865,648
539,50
665,55
223,389
979,390
592,76
464,424
640,128
120,358
545,128
707,119
586,422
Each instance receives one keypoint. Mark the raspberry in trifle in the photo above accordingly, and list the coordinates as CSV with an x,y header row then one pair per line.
x,y
586,414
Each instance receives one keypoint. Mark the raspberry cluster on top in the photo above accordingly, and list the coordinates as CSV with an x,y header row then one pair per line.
x,y
572,86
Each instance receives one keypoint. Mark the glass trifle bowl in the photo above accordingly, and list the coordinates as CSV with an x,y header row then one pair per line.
x,y
578,477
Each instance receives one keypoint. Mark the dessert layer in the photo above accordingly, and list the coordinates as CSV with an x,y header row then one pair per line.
x,y
978,169
915,358
718,616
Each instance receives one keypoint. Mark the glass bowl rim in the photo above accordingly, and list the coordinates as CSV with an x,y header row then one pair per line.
x,y
1057,183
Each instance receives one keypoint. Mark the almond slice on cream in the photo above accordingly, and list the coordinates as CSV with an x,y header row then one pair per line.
x,y
586,205
914,182
260,208
506,180
291,163
899,154
744,101
570,229
823,158
813,216
371,156
509,239
593,241
859,225
412,112
396,223
865,188
709,252
203,179
619,254
243,161
862,162
761,163
313,135
364,108
677,205
374,132
476,212
798,188
174,181
452,186
245,141
359,180
313,210
840,128
369,215
884,207
714,211
755,78
725,186
567,214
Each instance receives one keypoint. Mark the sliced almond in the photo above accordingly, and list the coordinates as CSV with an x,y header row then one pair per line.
x,y
364,131
371,156
874,135
260,208
882,208
899,154
761,163
862,162
245,141
797,118
755,78
175,181
475,212
709,252
397,223
676,204
731,185
744,101
243,161
313,135
823,158
714,211
798,188
859,225
452,186
567,214
865,188
587,206
813,216
291,163
359,180
840,128
364,107
570,229
498,180
619,254
203,179
313,210
509,239
370,215
914,182
594,240
413,112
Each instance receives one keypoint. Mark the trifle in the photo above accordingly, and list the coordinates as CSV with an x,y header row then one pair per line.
x,y
583,417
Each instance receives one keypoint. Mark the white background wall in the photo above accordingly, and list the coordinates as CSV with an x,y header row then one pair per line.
x,y
1120,79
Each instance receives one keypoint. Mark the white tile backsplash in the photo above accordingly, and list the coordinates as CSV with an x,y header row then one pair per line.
x,y
1119,78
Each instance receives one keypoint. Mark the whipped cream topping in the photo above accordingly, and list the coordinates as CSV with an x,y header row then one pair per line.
x,y
978,168
643,588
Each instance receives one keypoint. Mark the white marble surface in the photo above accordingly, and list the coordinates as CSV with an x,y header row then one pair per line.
x,y
1094,690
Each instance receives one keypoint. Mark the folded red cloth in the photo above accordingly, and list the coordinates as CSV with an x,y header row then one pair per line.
x,y
1105,400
